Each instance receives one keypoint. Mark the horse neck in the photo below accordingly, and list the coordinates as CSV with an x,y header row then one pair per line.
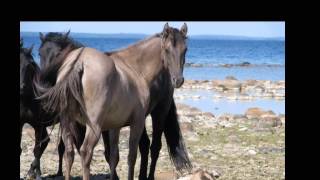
x,y
145,59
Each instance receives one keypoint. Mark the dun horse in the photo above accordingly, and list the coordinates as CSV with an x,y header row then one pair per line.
x,y
161,107
107,93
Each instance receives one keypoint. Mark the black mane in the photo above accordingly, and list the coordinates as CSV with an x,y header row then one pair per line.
x,y
61,40
67,44
33,75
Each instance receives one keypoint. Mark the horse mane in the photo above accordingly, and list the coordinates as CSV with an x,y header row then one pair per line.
x,y
157,35
134,45
61,40
49,73
29,55
34,76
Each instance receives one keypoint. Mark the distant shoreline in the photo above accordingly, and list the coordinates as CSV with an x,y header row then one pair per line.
x,y
141,36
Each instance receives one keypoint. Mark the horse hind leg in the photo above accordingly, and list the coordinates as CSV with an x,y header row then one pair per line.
x,y
39,147
106,142
68,153
61,150
86,151
111,142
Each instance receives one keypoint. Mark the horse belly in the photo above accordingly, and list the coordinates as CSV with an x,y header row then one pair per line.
x,y
118,113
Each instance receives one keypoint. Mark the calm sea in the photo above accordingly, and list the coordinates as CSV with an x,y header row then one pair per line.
x,y
266,57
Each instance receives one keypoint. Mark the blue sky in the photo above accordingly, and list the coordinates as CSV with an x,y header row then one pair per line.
x,y
250,29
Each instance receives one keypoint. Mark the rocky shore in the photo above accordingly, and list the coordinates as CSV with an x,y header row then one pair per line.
x,y
234,89
229,146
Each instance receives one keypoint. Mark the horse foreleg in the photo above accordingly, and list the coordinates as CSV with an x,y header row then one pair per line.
x,y
157,126
144,151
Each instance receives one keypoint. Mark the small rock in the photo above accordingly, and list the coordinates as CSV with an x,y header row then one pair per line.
x,y
217,96
227,65
259,89
274,120
231,78
245,97
226,117
202,175
234,97
196,97
239,116
243,129
186,127
231,84
252,152
208,114
254,113
215,173
268,94
192,136
251,82
226,124
245,64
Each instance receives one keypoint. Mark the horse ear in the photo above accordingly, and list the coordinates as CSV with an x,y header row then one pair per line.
x,y
165,30
41,36
30,49
65,36
21,42
184,29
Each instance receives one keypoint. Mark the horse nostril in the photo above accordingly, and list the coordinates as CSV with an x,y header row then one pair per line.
x,y
180,81
174,80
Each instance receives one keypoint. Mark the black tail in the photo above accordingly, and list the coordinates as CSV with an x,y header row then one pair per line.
x,y
177,150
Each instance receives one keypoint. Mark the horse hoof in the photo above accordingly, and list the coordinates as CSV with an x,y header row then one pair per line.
x,y
58,174
143,178
31,176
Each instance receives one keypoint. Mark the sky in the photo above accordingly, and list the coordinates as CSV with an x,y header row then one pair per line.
x,y
250,28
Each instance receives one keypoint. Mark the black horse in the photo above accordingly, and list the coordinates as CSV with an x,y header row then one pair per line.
x,y
162,109
31,111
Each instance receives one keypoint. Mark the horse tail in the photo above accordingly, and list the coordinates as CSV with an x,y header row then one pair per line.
x,y
176,147
66,98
